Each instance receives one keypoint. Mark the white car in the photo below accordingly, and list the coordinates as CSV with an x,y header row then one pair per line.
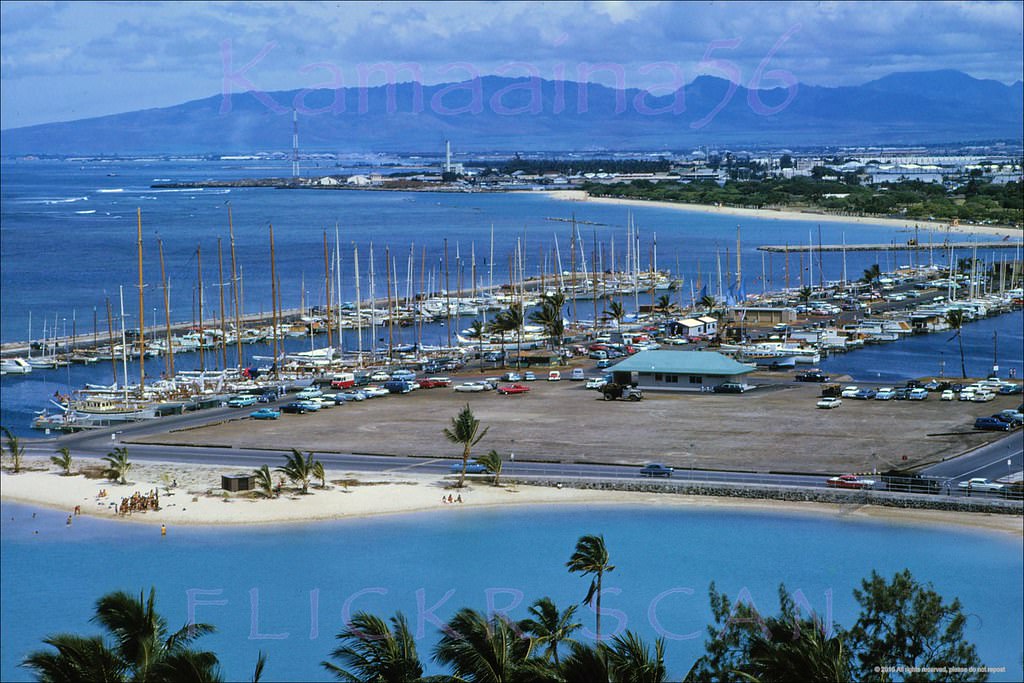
x,y
596,382
980,484
946,395
375,392
983,396
472,387
554,376
967,395
380,376
849,392
885,394
830,402
309,392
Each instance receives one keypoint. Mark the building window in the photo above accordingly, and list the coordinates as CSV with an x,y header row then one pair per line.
x,y
696,379
657,377
672,379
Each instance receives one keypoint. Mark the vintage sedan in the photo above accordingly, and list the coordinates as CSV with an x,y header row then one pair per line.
x,y
472,467
980,484
265,414
656,469
242,401
510,389
849,481
830,402
472,387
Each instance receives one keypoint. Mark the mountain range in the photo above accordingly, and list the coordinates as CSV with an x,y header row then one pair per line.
x,y
495,113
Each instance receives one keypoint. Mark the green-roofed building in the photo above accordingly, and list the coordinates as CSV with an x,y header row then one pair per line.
x,y
679,370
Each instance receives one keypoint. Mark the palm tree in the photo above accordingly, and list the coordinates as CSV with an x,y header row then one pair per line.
x,y
513,321
373,652
14,448
629,660
142,649
117,465
477,331
805,294
789,649
550,627
63,460
551,318
617,311
872,273
591,557
486,650
299,470
264,481
708,302
318,472
584,664
499,326
492,461
464,430
955,319
664,304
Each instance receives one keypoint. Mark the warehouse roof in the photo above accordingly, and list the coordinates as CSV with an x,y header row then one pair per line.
x,y
682,362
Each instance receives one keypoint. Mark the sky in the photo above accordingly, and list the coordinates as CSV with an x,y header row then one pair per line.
x,y
62,61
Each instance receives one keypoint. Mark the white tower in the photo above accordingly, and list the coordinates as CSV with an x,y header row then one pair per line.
x,y
447,156
295,145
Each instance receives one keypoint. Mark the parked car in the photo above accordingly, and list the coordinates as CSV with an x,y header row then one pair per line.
x,y
265,414
511,377
830,403
933,385
529,376
729,388
435,382
900,393
472,467
242,401
269,396
596,382
296,407
991,423
946,395
604,363
406,375
380,376
983,396
554,376
811,376
513,389
865,394
311,405
980,484
472,387
350,395
656,469
577,375
374,391
309,392
849,392
885,394
598,355
966,394
398,386
1015,417
1010,388
919,394
849,481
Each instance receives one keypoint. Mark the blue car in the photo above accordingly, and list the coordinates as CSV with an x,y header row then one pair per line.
x,y
265,414
992,423
472,467
865,394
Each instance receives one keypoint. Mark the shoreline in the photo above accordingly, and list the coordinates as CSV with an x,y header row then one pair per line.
x,y
791,214
197,501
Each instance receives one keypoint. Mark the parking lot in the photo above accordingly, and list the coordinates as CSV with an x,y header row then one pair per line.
x,y
775,428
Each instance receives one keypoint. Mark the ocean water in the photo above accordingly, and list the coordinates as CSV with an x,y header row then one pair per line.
x,y
286,589
68,244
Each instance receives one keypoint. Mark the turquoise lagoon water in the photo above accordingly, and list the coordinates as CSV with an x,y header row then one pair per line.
x,y
285,589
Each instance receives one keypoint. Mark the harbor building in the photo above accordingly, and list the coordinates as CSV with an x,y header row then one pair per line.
x,y
679,370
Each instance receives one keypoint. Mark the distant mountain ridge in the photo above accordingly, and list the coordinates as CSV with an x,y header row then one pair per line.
x,y
495,113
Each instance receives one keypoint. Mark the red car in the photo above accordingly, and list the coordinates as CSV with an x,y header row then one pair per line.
x,y
849,481
513,389
434,383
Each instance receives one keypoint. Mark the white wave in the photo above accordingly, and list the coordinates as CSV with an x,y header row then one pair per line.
x,y
116,189
85,213
69,200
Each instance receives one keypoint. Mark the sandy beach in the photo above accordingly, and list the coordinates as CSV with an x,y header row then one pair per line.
x,y
198,500
772,214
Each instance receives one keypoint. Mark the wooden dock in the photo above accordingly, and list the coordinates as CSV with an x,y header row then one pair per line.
x,y
923,246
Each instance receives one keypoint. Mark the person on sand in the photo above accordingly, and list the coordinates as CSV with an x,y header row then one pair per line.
x,y
450,498
443,499
459,499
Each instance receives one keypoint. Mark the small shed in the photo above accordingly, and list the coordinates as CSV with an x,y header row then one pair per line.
x,y
238,482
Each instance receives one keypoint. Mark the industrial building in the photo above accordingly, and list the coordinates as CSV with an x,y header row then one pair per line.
x,y
679,370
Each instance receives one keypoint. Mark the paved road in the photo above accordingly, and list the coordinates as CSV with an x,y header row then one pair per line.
x,y
989,461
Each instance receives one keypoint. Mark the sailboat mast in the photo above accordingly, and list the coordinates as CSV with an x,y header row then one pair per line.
x,y
202,333
167,313
391,310
359,303
572,267
327,284
142,311
124,343
337,276
110,339
223,321
273,302
373,308
447,296
593,264
235,286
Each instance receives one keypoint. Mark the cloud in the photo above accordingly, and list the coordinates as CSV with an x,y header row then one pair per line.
x,y
136,55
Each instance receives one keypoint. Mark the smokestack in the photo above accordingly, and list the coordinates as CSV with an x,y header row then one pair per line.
x,y
447,156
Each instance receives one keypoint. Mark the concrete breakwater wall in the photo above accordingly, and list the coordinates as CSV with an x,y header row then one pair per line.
x,y
791,494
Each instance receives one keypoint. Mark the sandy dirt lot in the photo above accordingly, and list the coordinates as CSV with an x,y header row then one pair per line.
x,y
775,428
